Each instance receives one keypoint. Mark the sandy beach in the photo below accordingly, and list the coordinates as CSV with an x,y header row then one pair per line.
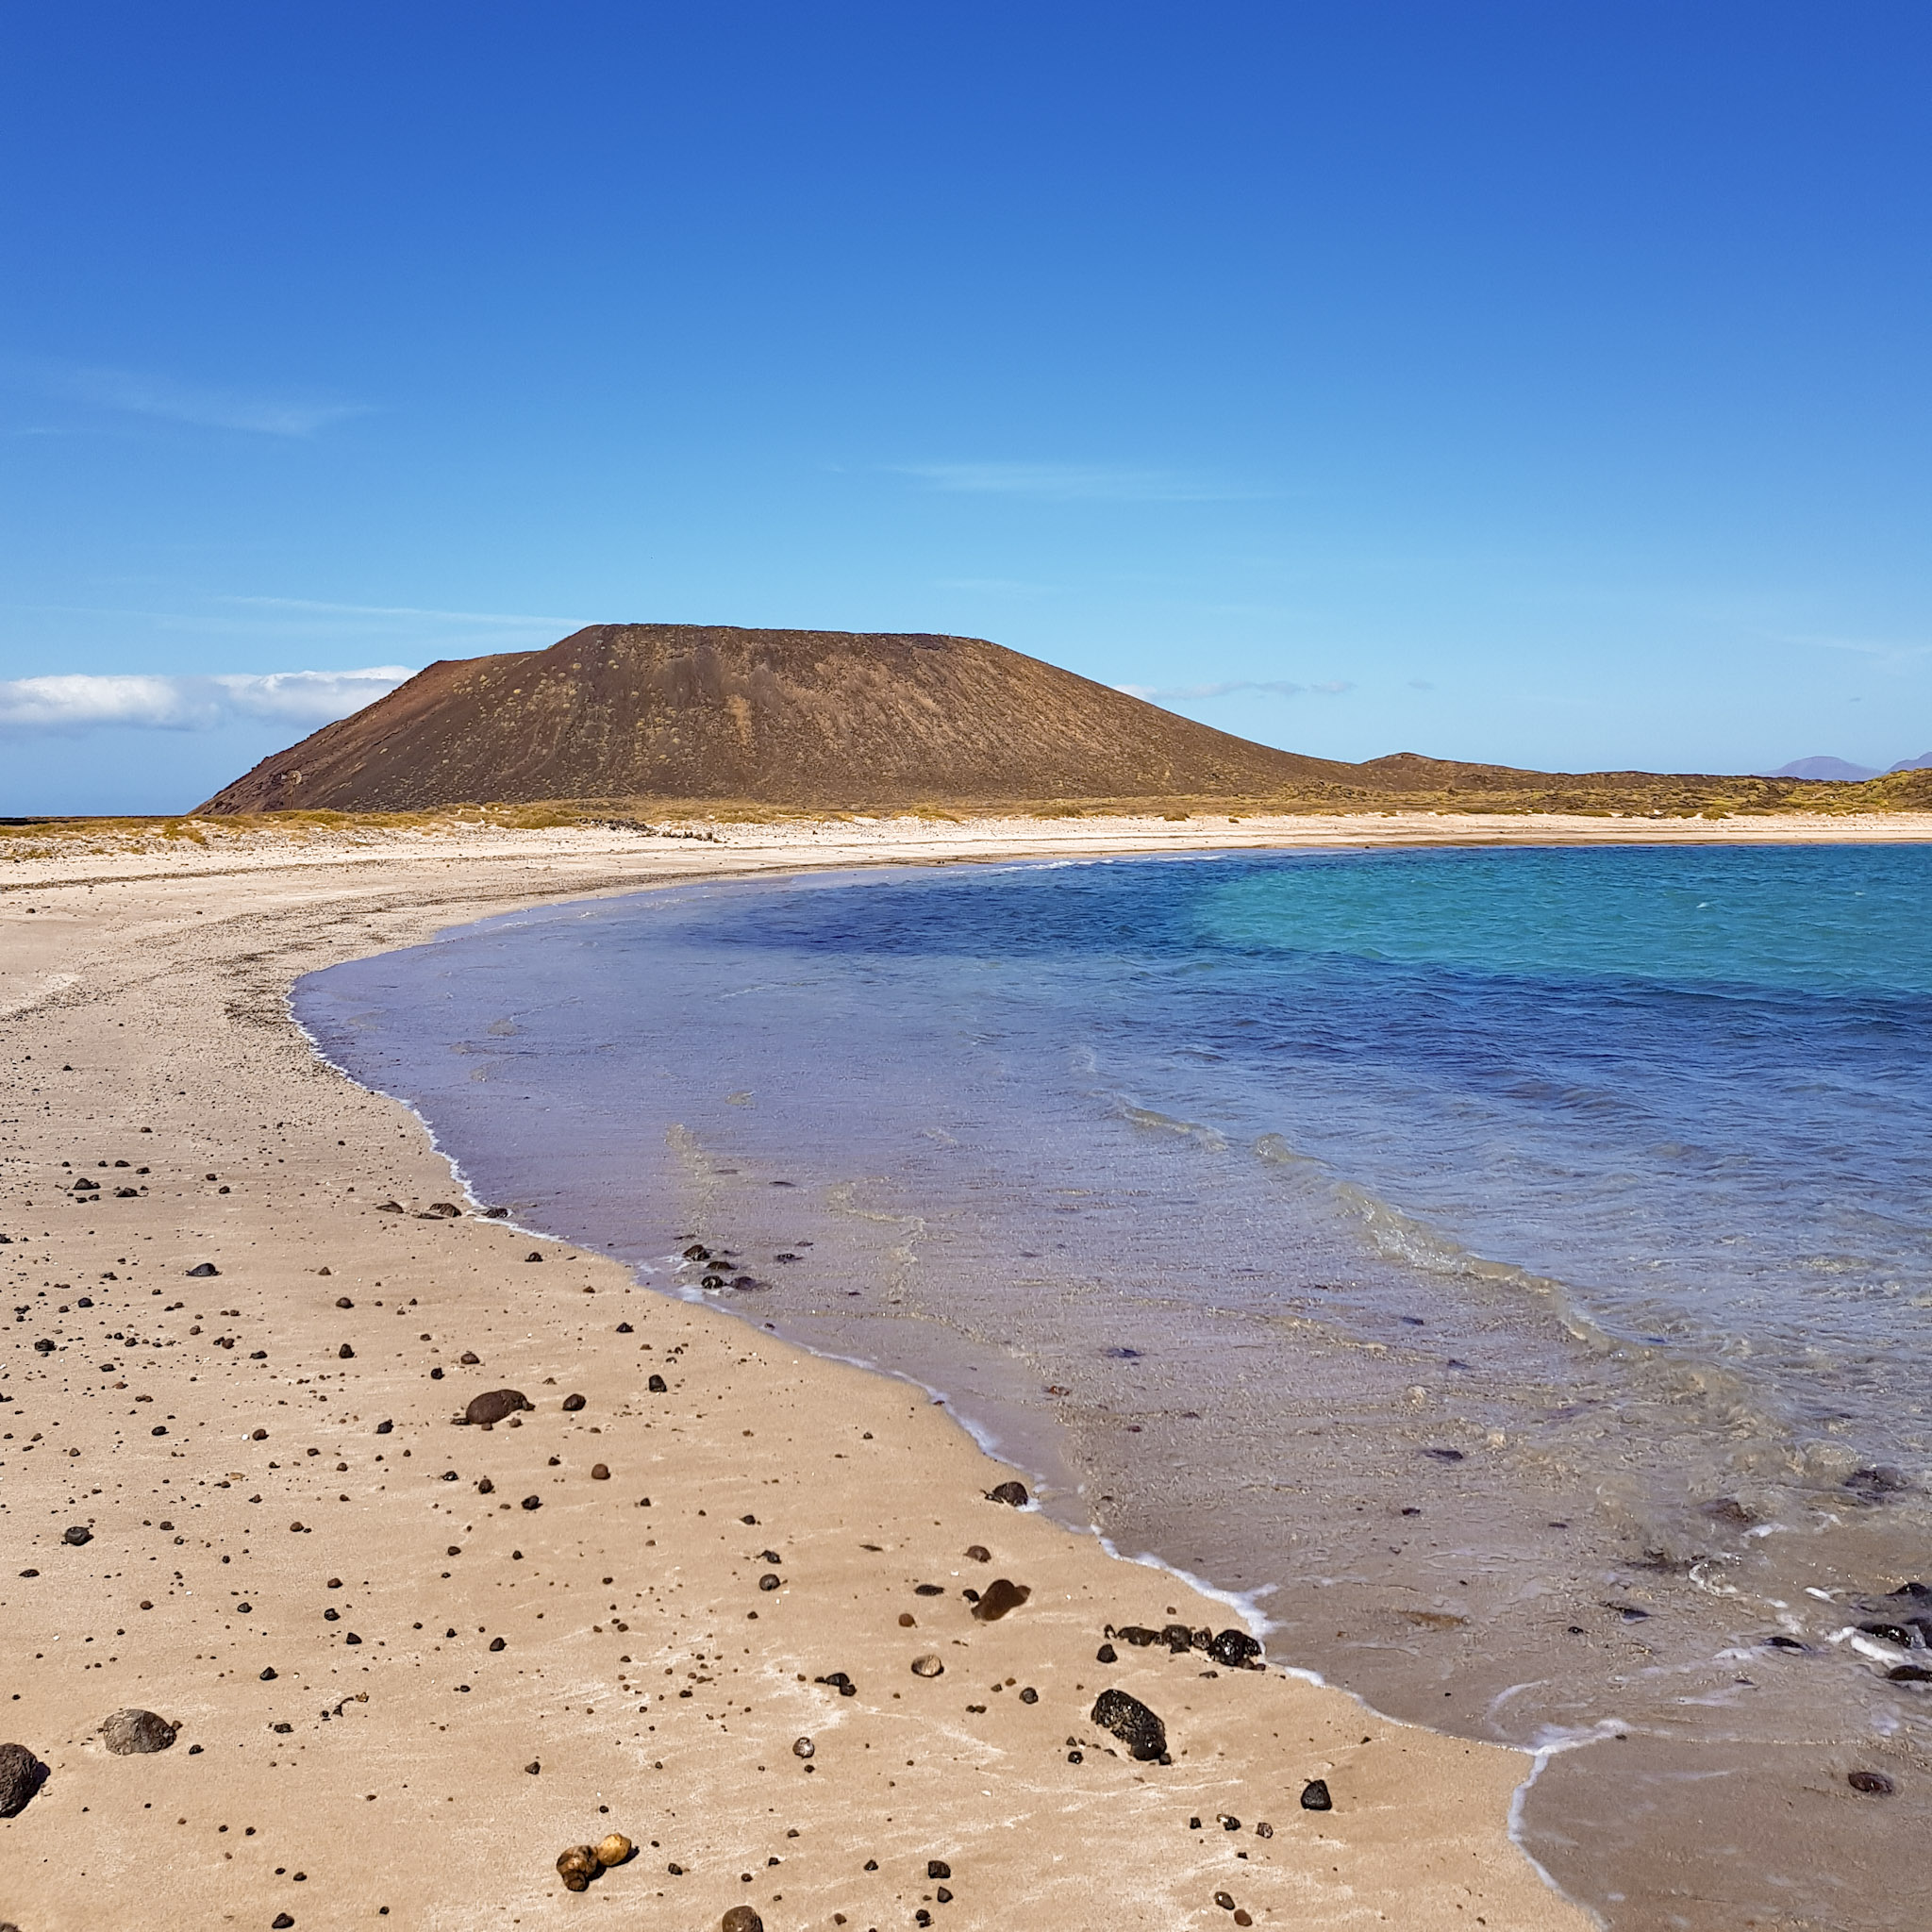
x,y
239,1499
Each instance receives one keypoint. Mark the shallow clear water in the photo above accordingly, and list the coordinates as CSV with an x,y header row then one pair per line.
x,y
1231,1194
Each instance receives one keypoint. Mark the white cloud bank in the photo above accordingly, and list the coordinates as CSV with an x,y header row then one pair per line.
x,y
81,703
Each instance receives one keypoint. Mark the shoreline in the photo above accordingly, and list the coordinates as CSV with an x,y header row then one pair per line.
x,y
166,995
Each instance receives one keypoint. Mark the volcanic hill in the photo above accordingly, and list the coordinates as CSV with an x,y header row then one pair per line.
x,y
706,716
784,717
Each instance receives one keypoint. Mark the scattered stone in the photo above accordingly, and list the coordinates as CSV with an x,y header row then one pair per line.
x,y
497,1644
496,1406
769,1581
927,1667
268,1677
1908,1674
1882,1481
262,1435
383,1428
741,1919
533,1256
1445,1455
77,1535
600,1472
1133,1724
534,1766
135,1732
20,1776
1874,1784
280,1922
928,1589
1235,1650
1225,1900
1002,1595
1264,1830
1029,1696
1012,1495
614,1849
202,1270
978,1553
578,1867
1106,1653
1315,1796
470,1359
485,1487
572,1403
533,1502
658,1386
938,1868
343,1301
346,1353
625,1329
804,1748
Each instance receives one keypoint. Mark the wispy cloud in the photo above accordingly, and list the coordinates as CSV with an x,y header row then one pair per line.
x,y
1892,654
210,406
1073,482
1274,687
516,620
78,701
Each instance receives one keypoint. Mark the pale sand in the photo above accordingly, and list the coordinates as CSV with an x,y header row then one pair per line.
x,y
147,1024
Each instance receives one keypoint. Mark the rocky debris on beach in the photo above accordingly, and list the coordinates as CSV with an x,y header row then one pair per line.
x,y
1234,1649
1315,1796
1013,1494
1873,1784
1133,1724
20,1776
740,1919
134,1731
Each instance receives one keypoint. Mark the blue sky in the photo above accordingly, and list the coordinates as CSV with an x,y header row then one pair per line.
x,y
1537,382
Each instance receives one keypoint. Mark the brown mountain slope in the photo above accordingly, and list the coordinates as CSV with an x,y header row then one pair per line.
x,y
785,717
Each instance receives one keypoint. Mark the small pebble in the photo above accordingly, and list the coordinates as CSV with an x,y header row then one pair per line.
x,y
927,1667
1315,1796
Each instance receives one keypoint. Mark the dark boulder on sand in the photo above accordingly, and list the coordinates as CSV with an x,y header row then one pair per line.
x,y
136,1732
496,1404
20,1776
1133,1724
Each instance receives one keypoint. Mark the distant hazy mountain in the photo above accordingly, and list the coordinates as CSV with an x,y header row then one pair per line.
x,y
1828,768
1921,763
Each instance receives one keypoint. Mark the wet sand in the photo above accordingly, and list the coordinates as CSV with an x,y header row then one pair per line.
x,y
189,1423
